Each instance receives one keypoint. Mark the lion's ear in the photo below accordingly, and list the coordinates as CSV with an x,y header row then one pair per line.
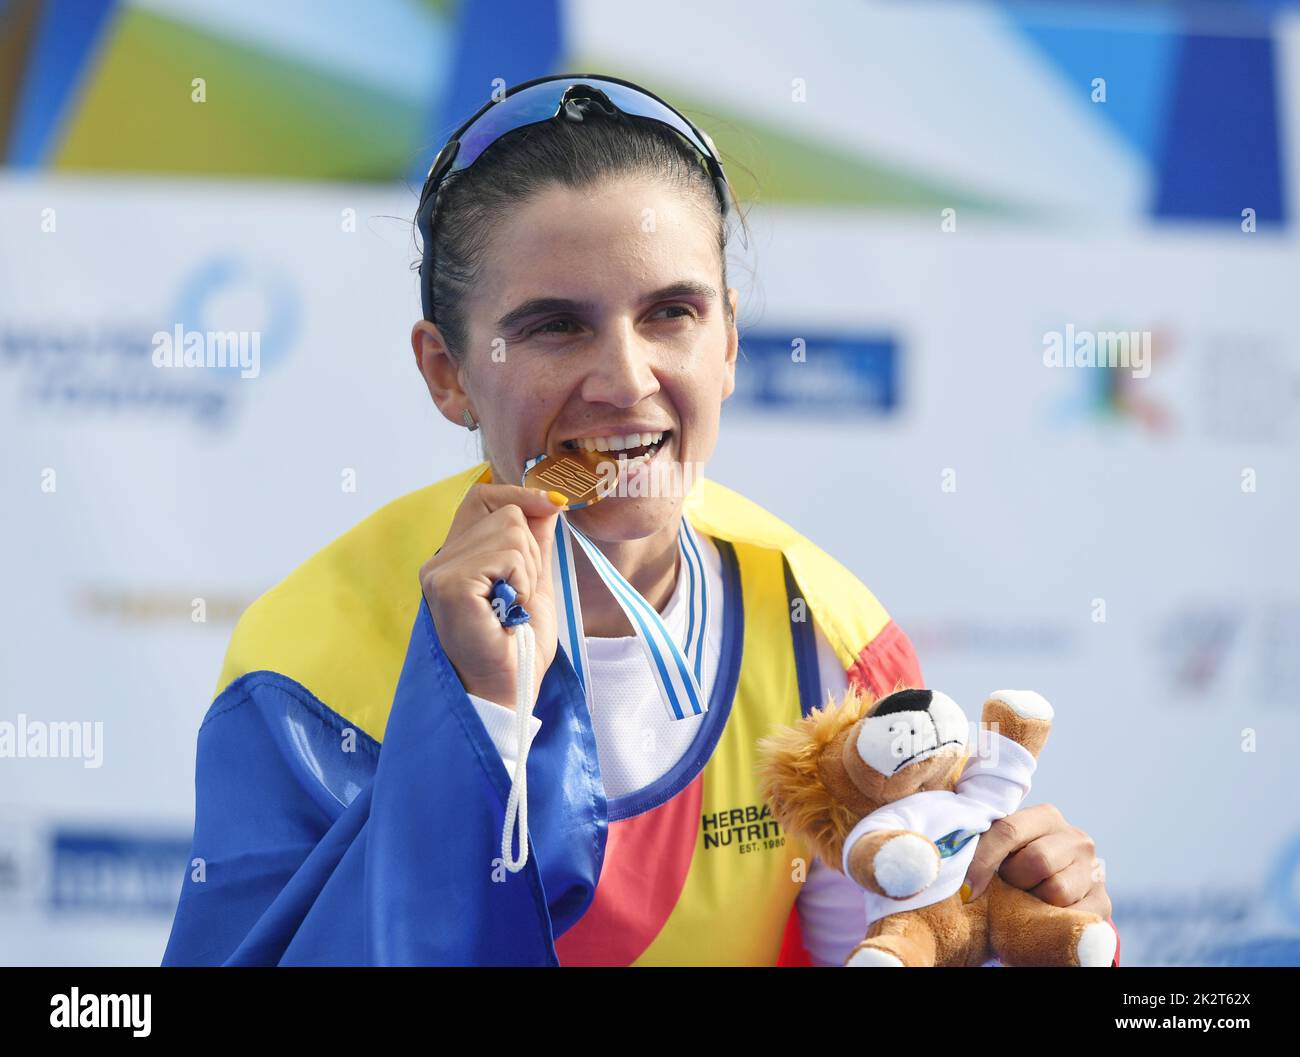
x,y
792,776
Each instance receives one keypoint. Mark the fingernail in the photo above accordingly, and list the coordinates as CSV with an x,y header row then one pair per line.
x,y
558,498
965,893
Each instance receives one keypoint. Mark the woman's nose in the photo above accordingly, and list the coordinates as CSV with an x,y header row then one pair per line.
x,y
620,372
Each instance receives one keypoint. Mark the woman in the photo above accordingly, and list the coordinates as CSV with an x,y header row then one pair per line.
x,y
575,302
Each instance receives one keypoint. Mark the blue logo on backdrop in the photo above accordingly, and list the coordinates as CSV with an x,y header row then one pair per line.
x,y
818,374
234,317
109,871
246,299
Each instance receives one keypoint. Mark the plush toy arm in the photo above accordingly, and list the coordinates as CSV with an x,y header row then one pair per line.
x,y
897,863
1020,715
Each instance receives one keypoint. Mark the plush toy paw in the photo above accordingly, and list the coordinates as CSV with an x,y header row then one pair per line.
x,y
872,957
905,865
1096,945
1025,703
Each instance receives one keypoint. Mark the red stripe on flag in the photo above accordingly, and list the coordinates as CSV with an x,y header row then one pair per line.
x,y
885,662
793,952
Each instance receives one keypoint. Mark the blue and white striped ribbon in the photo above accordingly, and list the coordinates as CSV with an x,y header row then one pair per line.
x,y
678,673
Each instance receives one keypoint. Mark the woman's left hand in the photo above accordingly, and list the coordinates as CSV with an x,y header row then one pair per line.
x,y
1036,850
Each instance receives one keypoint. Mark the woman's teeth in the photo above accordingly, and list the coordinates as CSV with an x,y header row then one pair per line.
x,y
633,444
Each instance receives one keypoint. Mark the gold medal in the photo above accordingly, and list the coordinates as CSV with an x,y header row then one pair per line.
x,y
575,474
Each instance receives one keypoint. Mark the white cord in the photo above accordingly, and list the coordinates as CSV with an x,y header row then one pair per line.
x,y
525,652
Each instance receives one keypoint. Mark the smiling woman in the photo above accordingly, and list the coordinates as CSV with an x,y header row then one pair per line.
x,y
376,729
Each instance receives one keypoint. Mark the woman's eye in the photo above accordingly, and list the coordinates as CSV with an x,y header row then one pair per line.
x,y
549,323
547,327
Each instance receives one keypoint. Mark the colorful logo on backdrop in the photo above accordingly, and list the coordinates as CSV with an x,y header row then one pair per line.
x,y
818,373
1223,650
1112,375
1194,643
230,321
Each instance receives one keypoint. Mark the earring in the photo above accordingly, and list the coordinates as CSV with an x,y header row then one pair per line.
x,y
468,419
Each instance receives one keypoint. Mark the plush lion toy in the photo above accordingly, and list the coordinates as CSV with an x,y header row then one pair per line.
x,y
885,792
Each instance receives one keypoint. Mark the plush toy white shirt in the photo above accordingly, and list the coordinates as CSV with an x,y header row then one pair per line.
x,y
627,705
992,785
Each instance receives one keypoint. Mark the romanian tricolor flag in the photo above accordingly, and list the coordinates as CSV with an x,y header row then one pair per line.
x,y
350,803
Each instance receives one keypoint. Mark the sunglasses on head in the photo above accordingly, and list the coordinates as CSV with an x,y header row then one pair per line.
x,y
564,97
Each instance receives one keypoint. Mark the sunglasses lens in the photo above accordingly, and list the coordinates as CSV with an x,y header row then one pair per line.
x,y
630,101
542,101
525,107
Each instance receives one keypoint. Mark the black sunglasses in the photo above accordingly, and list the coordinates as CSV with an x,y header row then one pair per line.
x,y
564,97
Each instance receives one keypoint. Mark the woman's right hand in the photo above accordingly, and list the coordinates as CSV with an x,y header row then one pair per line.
x,y
500,532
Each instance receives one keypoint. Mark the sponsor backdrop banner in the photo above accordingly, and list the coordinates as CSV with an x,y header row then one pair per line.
x,y
1031,381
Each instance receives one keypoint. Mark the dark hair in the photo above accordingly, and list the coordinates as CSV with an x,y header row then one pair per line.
x,y
526,160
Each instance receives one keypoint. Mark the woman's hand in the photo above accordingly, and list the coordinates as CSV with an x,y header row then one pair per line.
x,y
500,532
1036,850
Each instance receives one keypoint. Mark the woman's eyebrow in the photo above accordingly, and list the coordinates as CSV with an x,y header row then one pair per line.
x,y
683,288
537,306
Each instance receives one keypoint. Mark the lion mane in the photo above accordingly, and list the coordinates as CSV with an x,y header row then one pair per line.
x,y
790,777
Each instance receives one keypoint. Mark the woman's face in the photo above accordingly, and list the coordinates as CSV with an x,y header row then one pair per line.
x,y
600,317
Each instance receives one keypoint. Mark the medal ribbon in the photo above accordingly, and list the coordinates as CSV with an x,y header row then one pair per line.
x,y
677,677
678,673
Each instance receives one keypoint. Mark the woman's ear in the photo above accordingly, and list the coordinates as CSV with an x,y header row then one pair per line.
x,y
441,373
733,345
